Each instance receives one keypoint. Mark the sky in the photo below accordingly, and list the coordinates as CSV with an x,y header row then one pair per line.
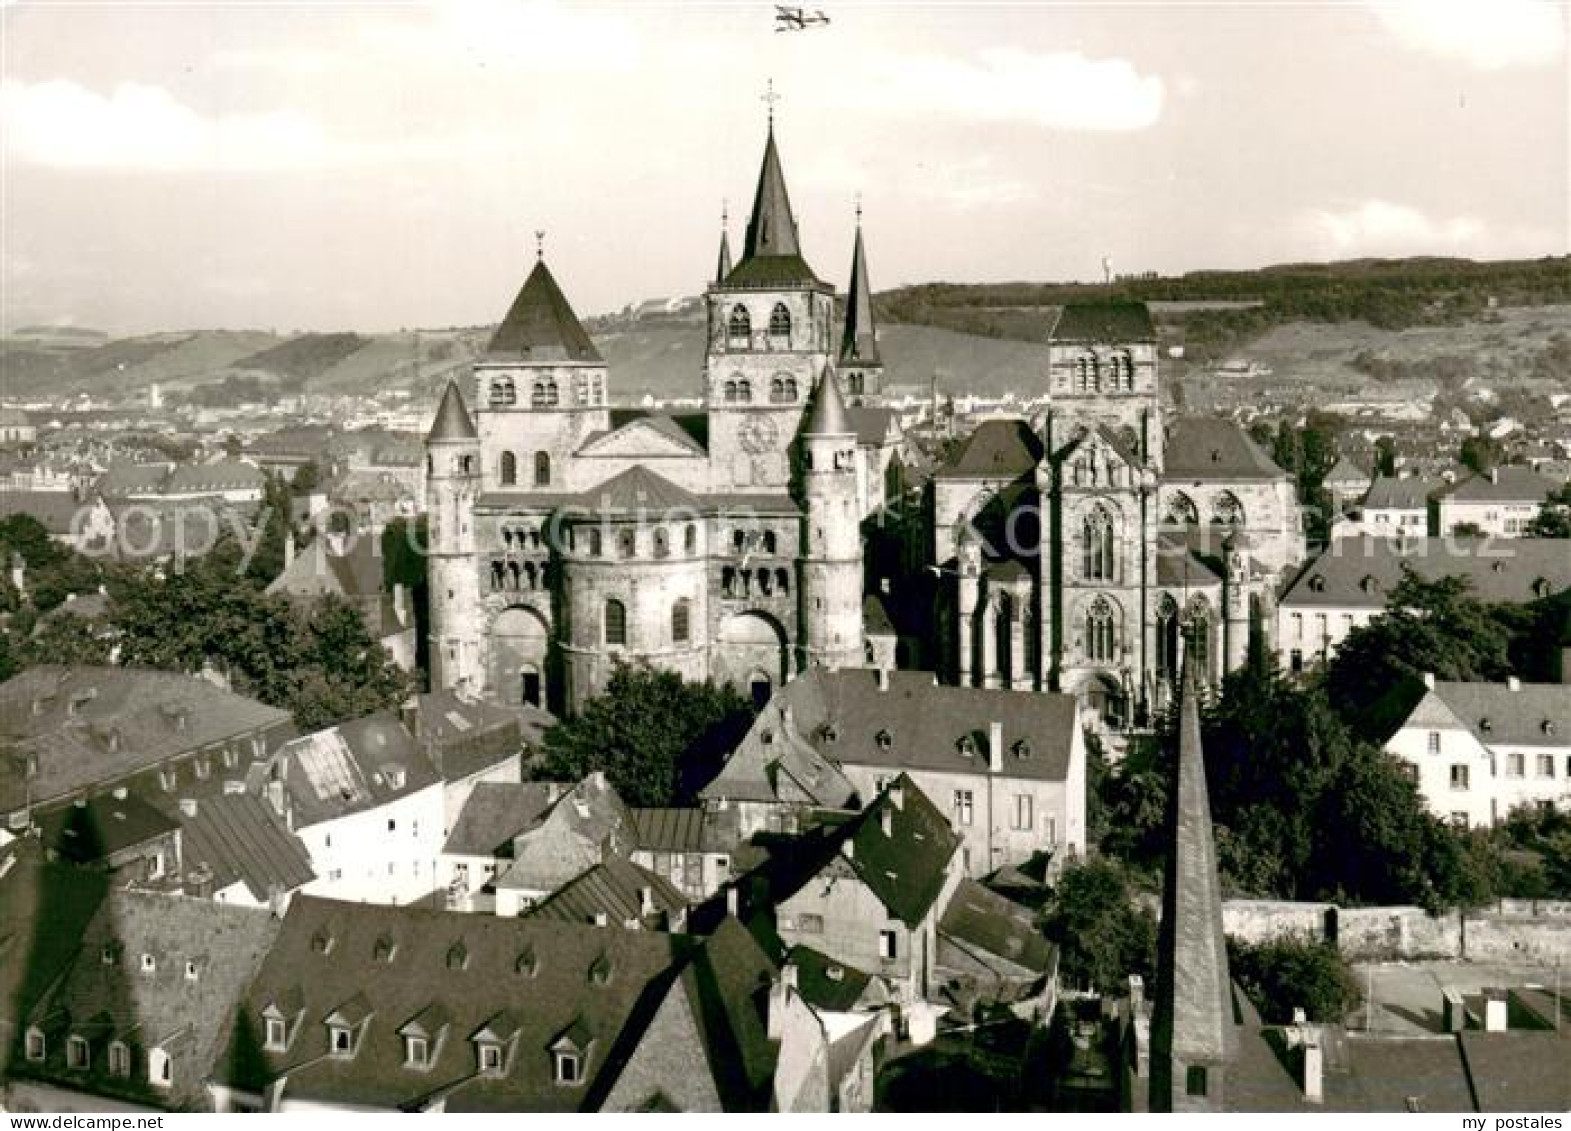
x,y
370,166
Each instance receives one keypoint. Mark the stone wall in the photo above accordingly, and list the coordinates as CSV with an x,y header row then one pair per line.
x,y
1516,931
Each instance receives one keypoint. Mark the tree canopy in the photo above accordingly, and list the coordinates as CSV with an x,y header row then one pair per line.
x,y
1291,973
1103,931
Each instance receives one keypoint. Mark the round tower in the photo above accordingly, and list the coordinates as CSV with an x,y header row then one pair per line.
x,y
832,545
452,486
1235,601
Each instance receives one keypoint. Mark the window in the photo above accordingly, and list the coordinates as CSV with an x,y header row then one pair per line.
x,y
627,543
1096,544
160,1068
508,472
681,613
149,964
739,328
1023,814
662,542
545,394
964,805
888,944
1516,764
340,1041
1100,635
417,1052
615,622
1298,626
1459,776
1195,1080
1546,765
1434,742
490,1056
690,540
810,924
1459,818
76,1054
780,325
594,542
503,392
569,1069
36,1046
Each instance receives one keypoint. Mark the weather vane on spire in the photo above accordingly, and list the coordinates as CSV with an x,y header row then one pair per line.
x,y
859,209
769,97
539,243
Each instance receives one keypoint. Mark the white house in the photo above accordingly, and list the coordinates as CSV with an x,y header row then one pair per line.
x,y
1502,503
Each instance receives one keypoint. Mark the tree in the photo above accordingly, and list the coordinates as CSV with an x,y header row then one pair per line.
x,y
1554,521
1104,934
64,638
1480,454
655,736
1385,456
307,476
1291,973
1428,626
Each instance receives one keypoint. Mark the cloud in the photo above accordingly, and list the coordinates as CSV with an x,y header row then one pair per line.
x,y
535,36
1487,34
1379,227
974,183
139,127
1061,90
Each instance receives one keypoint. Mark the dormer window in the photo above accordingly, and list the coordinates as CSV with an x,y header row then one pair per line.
x,y
36,1045
767,738
191,971
77,1056
831,733
417,1052
149,964
967,746
600,971
275,1037
1485,725
568,1068
160,1068
488,1058
457,956
383,950
1022,749
110,955
340,1041
119,1059
885,740
1317,584
1368,584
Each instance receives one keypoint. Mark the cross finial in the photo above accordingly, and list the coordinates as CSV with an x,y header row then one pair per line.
x,y
539,243
769,97
725,213
858,209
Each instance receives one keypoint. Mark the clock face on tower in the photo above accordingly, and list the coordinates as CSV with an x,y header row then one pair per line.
x,y
759,434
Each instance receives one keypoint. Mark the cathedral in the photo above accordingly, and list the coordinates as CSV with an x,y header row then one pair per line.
x,y
1078,550
566,535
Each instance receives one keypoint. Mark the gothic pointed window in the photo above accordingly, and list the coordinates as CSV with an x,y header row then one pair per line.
x,y
542,469
1181,511
615,622
1097,546
509,469
739,328
504,394
1227,510
1101,632
780,325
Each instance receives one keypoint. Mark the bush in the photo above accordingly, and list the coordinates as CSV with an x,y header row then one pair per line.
x,y
1287,974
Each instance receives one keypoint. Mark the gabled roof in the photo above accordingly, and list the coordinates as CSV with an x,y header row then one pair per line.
x,y
1529,714
1103,323
495,813
1209,448
905,866
540,326
665,427
638,491
56,511
1346,471
872,423
585,825
686,830
983,921
1502,485
859,340
996,449
92,830
452,420
1388,492
1362,572
613,888
1192,1022
241,839
827,983
355,765
727,984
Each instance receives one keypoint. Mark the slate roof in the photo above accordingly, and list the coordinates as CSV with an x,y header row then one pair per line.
x,y
1345,471
1361,572
495,813
65,716
771,252
540,326
842,713
875,616
452,420
55,510
465,736
352,570
859,338
1103,322
983,920
125,478
93,829
638,491
1504,485
827,415
214,478
1216,450
241,839
871,423
905,866
1534,714
826,983
587,824
1519,1071
1192,1019
203,956
352,766
685,830
461,971
665,425
1391,493
612,888
727,982
996,449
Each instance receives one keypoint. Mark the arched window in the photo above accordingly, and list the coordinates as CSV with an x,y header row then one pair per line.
x,y
1085,372
1096,546
542,469
1227,510
690,540
1101,632
854,383
681,617
594,542
504,394
615,622
1197,634
509,469
626,543
730,392
1167,630
1181,511
739,328
783,580
744,391
782,390
662,542
770,542
1123,372
779,325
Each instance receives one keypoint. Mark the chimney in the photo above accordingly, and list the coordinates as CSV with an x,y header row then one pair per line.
x,y
732,903
897,796
1513,683
780,992
188,807
1495,1012
646,901
850,849
1137,994
883,677
1429,680
601,919
275,796
995,747
1453,1009
1494,475
289,549
1313,1066
886,821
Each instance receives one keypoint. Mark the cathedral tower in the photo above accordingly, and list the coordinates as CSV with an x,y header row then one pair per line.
x,y
770,321
861,366
452,486
832,546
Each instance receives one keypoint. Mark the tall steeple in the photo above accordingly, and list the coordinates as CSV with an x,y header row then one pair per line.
x,y
540,326
1193,1034
859,358
723,268
772,228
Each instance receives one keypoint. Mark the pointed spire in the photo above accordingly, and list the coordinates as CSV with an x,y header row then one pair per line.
x,y
723,268
452,420
1192,1025
859,343
772,228
541,325
828,416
